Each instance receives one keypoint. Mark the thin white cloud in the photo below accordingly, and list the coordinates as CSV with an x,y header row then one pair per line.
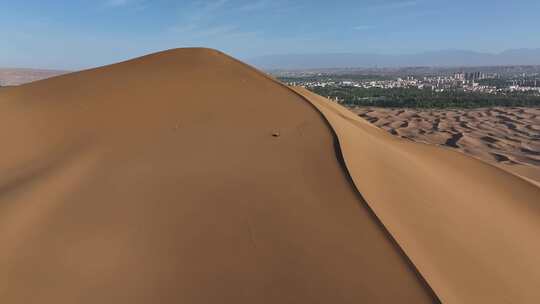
x,y
214,5
253,6
199,22
136,4
203,10
397,5
217,30
179,29
363,27
192,30
117,3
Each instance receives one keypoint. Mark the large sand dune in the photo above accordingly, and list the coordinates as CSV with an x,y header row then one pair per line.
x,y
470,228
189,177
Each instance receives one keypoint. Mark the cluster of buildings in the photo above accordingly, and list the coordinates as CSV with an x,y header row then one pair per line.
x,y
467,82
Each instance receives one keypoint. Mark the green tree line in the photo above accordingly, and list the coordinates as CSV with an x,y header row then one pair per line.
x,y
425,98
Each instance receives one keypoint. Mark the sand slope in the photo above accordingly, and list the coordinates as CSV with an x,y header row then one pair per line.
x,y
471,228
189,177
159,180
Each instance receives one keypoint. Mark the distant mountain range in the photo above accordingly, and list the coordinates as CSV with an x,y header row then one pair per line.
x,y
445,58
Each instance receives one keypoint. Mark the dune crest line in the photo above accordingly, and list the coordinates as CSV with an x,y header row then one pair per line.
x,y
470,228
301,92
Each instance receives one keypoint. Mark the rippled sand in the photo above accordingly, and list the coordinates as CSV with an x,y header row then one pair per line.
x,y
508,137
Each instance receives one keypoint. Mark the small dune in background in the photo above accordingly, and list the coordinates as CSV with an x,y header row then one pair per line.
x,y
506,137
11,77
187,176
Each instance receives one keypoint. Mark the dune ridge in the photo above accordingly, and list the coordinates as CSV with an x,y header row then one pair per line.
x,y
160,179
188,176
469,227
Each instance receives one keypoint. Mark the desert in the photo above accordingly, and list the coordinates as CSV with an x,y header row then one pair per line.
x,y
18,76
503,136
269,152
187,176
142,183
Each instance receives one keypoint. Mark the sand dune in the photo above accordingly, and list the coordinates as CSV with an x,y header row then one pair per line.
x,y
188,177
506,137
158,180
470,228
9,77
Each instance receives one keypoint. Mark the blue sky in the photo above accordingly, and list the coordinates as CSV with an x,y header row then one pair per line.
x,y
79,34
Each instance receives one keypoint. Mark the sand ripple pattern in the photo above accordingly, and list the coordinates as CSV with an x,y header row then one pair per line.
x,y
509,137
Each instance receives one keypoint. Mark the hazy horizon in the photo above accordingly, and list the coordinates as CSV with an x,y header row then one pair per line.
x,y
72,35
436,59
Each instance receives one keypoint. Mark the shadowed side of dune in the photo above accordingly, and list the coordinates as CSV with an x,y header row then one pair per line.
x,y
470,228
159,180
